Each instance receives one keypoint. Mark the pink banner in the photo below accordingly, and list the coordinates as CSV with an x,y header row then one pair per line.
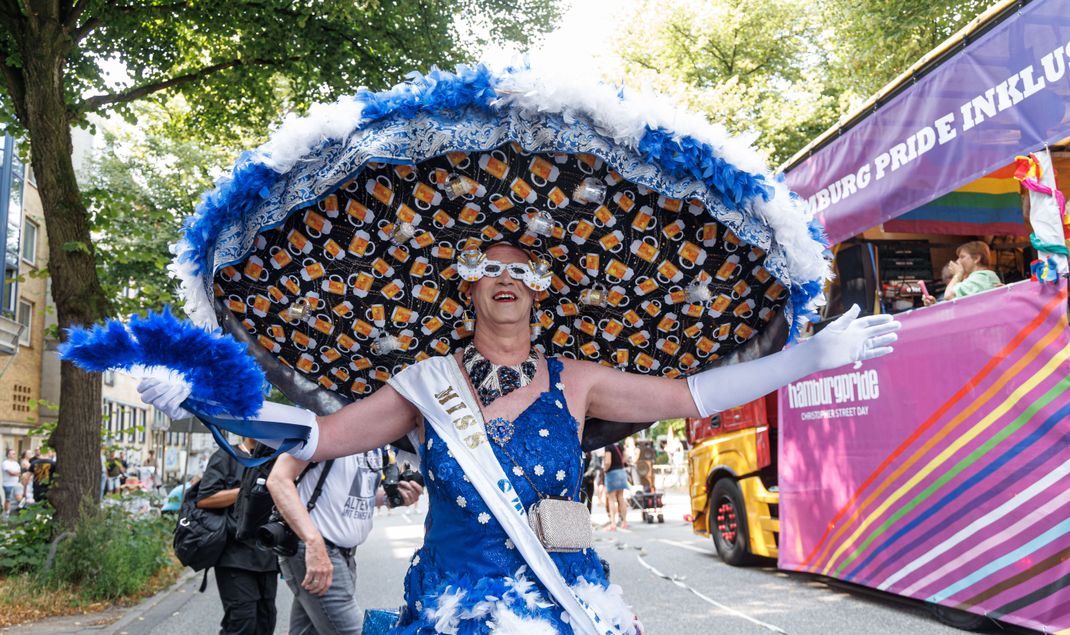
x,y
940,472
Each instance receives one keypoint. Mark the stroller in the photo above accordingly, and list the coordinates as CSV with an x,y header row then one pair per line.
x,y
644,497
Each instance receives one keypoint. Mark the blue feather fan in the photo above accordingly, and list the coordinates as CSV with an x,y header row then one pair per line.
x,y
224,378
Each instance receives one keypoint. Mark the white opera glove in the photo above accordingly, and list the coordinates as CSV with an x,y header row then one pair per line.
x,y
849,339
165,396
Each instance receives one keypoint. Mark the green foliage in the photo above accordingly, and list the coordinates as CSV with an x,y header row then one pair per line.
x,y
235,63
785,70
112,554
25,538
878,40
138,188
753,66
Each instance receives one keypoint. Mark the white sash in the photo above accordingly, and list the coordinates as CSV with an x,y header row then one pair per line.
x,y
439,389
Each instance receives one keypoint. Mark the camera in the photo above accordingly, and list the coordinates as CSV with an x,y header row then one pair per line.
x,y
277,536
392,476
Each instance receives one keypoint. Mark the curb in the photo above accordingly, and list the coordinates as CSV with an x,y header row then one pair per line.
x,y
151,602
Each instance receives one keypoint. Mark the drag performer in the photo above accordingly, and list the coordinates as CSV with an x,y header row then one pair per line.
x,y
499,272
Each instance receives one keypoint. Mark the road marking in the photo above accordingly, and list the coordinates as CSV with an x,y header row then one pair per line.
x,y
684,545
710,600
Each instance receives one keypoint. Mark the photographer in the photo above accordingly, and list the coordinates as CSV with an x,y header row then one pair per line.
x,y
322,573
245,576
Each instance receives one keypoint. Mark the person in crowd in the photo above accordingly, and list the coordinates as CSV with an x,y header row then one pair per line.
x,y
24,462
322,574
590,473
175,496
246,576
147,473
115,468
971,272
43,469
23,494
616,467
10,470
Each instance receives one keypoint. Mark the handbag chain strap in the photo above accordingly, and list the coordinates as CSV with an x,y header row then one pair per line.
x,y
524,472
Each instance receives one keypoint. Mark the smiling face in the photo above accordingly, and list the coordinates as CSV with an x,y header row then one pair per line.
x,y
503,300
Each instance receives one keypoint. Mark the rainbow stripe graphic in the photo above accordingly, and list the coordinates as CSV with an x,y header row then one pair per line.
x,y
972,508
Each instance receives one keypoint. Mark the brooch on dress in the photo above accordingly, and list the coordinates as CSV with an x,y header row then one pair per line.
x,y
500,430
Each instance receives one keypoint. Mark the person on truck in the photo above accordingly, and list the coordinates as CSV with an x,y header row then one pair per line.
x,y
971,272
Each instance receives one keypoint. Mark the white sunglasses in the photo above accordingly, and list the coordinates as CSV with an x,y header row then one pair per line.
x,y
473,265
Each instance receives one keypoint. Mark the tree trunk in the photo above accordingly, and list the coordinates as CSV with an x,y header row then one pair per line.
x,y
76,290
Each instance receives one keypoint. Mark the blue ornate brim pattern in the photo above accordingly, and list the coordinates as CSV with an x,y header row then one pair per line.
x,y
224,379
645,139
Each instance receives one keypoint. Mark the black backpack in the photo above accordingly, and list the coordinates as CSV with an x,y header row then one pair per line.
x,y
200,535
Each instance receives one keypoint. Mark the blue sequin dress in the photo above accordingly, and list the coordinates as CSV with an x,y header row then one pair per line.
x,y
468,577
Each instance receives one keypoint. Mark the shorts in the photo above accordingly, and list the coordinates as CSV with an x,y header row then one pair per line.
x,y
617,480
9,492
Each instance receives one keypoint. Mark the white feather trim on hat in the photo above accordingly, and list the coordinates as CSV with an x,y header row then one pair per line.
x,y
198,304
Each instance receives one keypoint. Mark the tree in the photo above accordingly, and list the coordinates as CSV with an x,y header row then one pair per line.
x,y
753,65
236,63
138,189
784,69
878,40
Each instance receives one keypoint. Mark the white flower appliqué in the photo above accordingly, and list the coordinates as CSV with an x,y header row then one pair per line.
x,y
544,433
539,470
519,471
560,475
558,403
484,518
461,502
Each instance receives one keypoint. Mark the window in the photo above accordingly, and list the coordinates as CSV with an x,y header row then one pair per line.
x,y
142,423
109,378
25,318
10,293
29,242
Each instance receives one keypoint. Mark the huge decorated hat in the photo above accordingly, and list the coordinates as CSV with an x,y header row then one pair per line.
x,y
334,249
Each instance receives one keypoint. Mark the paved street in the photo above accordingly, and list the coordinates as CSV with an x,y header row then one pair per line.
x,y
702,596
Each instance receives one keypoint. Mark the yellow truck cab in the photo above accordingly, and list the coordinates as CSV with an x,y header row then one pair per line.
x,y
733,491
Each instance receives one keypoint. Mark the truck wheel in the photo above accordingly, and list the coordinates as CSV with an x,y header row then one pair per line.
x,y
962,620
728,523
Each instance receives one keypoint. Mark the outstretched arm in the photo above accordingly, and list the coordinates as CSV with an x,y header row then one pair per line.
x,y
628,397
367,424
361,426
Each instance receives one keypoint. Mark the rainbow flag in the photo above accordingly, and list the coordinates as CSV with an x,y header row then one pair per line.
x,y
989,205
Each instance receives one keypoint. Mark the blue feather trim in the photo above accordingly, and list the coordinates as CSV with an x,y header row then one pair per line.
x,y
224,378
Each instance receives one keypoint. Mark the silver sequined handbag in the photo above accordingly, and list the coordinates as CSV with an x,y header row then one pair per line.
x,y
561,524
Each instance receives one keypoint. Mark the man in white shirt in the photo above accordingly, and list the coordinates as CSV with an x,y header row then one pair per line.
x,y
322,574
11,470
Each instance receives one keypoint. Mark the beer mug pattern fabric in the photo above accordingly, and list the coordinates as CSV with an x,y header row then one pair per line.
x,y
641,282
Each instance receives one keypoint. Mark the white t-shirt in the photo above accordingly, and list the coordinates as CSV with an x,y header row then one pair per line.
x,y
344,510
11,470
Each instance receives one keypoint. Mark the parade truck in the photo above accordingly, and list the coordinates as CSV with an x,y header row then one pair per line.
x,y
939,473
732,472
